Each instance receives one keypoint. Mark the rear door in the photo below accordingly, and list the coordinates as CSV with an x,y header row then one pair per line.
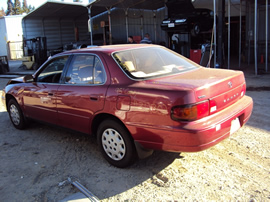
x,y
83,92
39,96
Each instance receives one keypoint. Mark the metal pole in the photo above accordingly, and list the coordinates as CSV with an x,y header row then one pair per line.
x,y
215,35
142,24
255,37
229,32
155,25
240,34
249,31
220,25
266,36
90,24
110,26
126,12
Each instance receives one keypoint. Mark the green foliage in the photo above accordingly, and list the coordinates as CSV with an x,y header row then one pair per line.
x,y
10,10
17,8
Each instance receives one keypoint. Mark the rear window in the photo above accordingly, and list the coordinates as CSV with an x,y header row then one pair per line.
x,y
149,62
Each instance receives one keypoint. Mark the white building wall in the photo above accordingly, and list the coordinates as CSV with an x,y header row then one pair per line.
x,y
11,36
3,37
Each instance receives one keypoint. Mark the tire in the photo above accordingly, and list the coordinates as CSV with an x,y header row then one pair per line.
x,y
195,30
116,144
16,115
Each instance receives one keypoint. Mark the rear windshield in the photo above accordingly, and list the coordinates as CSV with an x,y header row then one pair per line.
x,y
149,62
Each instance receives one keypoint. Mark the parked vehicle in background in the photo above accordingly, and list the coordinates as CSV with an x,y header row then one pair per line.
x,y
134,98
184,18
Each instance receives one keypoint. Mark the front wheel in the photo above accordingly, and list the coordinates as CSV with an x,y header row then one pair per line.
x,y
116,144
16,115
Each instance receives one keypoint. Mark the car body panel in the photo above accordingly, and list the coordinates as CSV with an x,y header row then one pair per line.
x,y
40,99
76,105
195,136
143,105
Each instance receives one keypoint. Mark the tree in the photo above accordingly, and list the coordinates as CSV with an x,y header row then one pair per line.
x,y
18,9
25,8
10,10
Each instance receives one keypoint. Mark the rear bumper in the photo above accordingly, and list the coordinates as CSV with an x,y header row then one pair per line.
x,y
198,135
176,27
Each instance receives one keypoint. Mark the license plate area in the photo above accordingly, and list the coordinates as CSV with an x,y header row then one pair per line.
x,y
235,125
171,25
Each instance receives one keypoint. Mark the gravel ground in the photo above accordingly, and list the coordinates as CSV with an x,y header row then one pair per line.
x,y
36,163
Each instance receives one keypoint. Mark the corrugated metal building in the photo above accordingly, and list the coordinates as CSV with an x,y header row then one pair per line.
x,y
61,23
135,23
65,23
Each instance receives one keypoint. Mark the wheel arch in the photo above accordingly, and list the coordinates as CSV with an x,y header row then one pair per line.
x,y
8,98
141,151
101,117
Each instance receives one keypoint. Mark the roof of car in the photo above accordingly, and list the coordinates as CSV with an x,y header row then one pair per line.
x,y
107,48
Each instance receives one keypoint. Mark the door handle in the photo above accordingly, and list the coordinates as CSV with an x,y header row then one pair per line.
x,y
94,97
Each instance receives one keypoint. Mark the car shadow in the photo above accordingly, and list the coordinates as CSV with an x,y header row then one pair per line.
x,y
51,155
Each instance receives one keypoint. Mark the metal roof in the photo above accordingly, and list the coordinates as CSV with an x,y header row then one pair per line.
x,y
59,10
138,4
52,9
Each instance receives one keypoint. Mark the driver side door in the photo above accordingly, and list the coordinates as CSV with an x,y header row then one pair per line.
x,y
39,96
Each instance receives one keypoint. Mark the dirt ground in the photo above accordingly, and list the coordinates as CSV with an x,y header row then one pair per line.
x,y
36,163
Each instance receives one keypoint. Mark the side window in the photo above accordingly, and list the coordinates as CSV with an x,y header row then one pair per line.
x,y
53,70
85,69
99,72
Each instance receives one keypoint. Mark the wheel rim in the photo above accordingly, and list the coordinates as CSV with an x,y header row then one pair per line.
x,y
196,29
14,114
113,144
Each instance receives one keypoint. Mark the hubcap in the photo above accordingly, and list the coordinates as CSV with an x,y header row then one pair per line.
x,y
196,29
113,144
14,114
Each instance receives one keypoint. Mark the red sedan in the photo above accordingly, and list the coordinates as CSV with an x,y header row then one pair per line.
x,y
134,99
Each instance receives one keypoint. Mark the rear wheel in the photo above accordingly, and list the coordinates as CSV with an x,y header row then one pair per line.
x,y
16,115
116,144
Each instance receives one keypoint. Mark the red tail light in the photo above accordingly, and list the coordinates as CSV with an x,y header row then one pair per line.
x,y
190,112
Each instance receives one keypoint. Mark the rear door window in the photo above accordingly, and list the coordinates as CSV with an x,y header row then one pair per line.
x,y
85,69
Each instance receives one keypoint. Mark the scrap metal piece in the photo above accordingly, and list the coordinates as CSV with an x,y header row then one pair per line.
x,y
84,190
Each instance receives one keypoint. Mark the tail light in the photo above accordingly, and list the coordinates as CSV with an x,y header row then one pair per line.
x,y
194,111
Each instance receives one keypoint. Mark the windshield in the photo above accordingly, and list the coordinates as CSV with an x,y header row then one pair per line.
x,y
142,63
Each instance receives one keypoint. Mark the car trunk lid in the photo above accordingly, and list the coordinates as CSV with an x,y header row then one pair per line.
x,y
220,87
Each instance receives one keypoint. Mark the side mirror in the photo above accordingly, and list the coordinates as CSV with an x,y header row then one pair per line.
x,y
28,78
